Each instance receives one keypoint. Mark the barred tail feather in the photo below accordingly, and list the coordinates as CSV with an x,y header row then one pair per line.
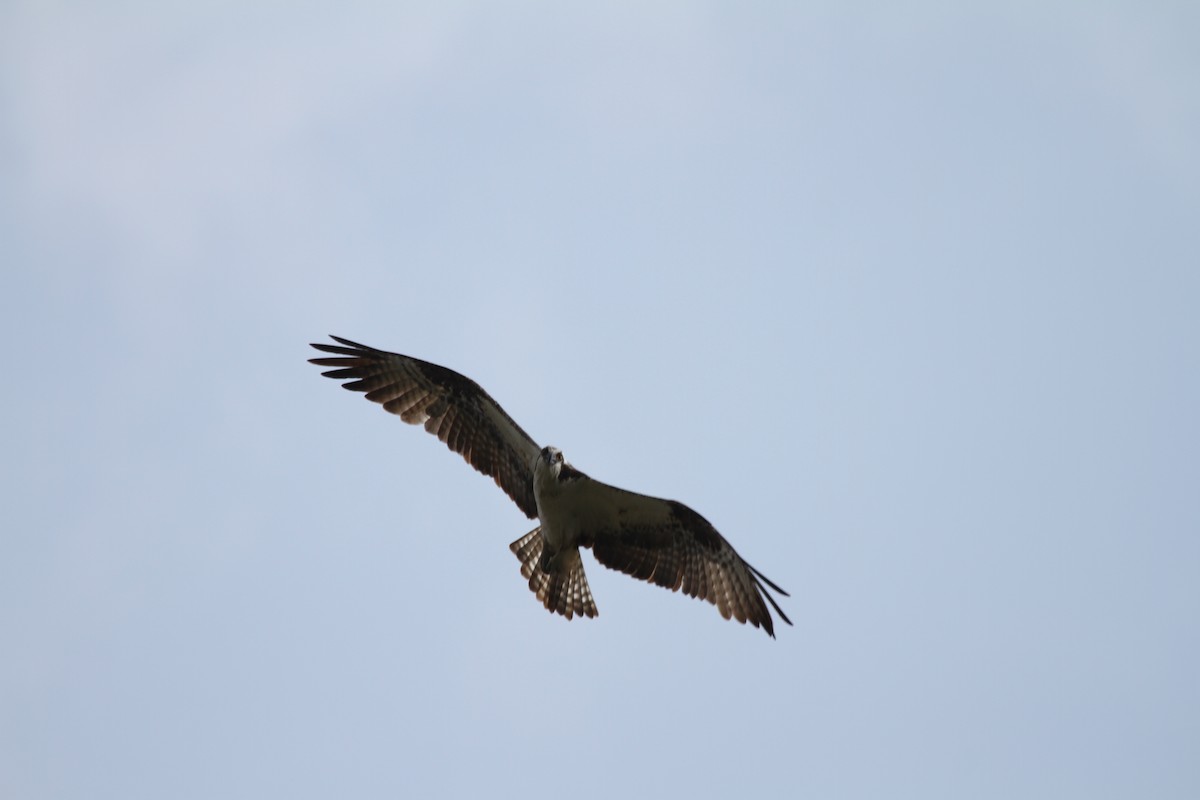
x,y
564,591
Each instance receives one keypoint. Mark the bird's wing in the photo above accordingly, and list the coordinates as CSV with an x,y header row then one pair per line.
x,y
451,406
667,543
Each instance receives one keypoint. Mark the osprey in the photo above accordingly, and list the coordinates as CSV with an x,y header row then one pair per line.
x,y
661,541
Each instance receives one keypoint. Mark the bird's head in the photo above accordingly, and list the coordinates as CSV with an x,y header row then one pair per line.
x,y
552,457
553,467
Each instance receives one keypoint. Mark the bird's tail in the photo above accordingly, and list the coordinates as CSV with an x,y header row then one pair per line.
x,y
564,590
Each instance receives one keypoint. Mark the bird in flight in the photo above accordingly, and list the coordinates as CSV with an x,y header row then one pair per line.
x,y
660,541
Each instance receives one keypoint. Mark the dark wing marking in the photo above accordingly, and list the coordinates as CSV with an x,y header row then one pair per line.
x,y
568,473
667,543
451,406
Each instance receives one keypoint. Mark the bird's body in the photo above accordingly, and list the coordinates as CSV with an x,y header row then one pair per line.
x,y
563,508
661,541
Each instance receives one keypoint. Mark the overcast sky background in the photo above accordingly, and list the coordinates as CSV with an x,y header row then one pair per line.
x,y
904,300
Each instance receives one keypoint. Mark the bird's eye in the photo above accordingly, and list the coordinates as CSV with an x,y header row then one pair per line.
x,y
558,457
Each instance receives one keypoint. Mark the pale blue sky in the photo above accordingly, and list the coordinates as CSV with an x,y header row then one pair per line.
x,y
905,301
